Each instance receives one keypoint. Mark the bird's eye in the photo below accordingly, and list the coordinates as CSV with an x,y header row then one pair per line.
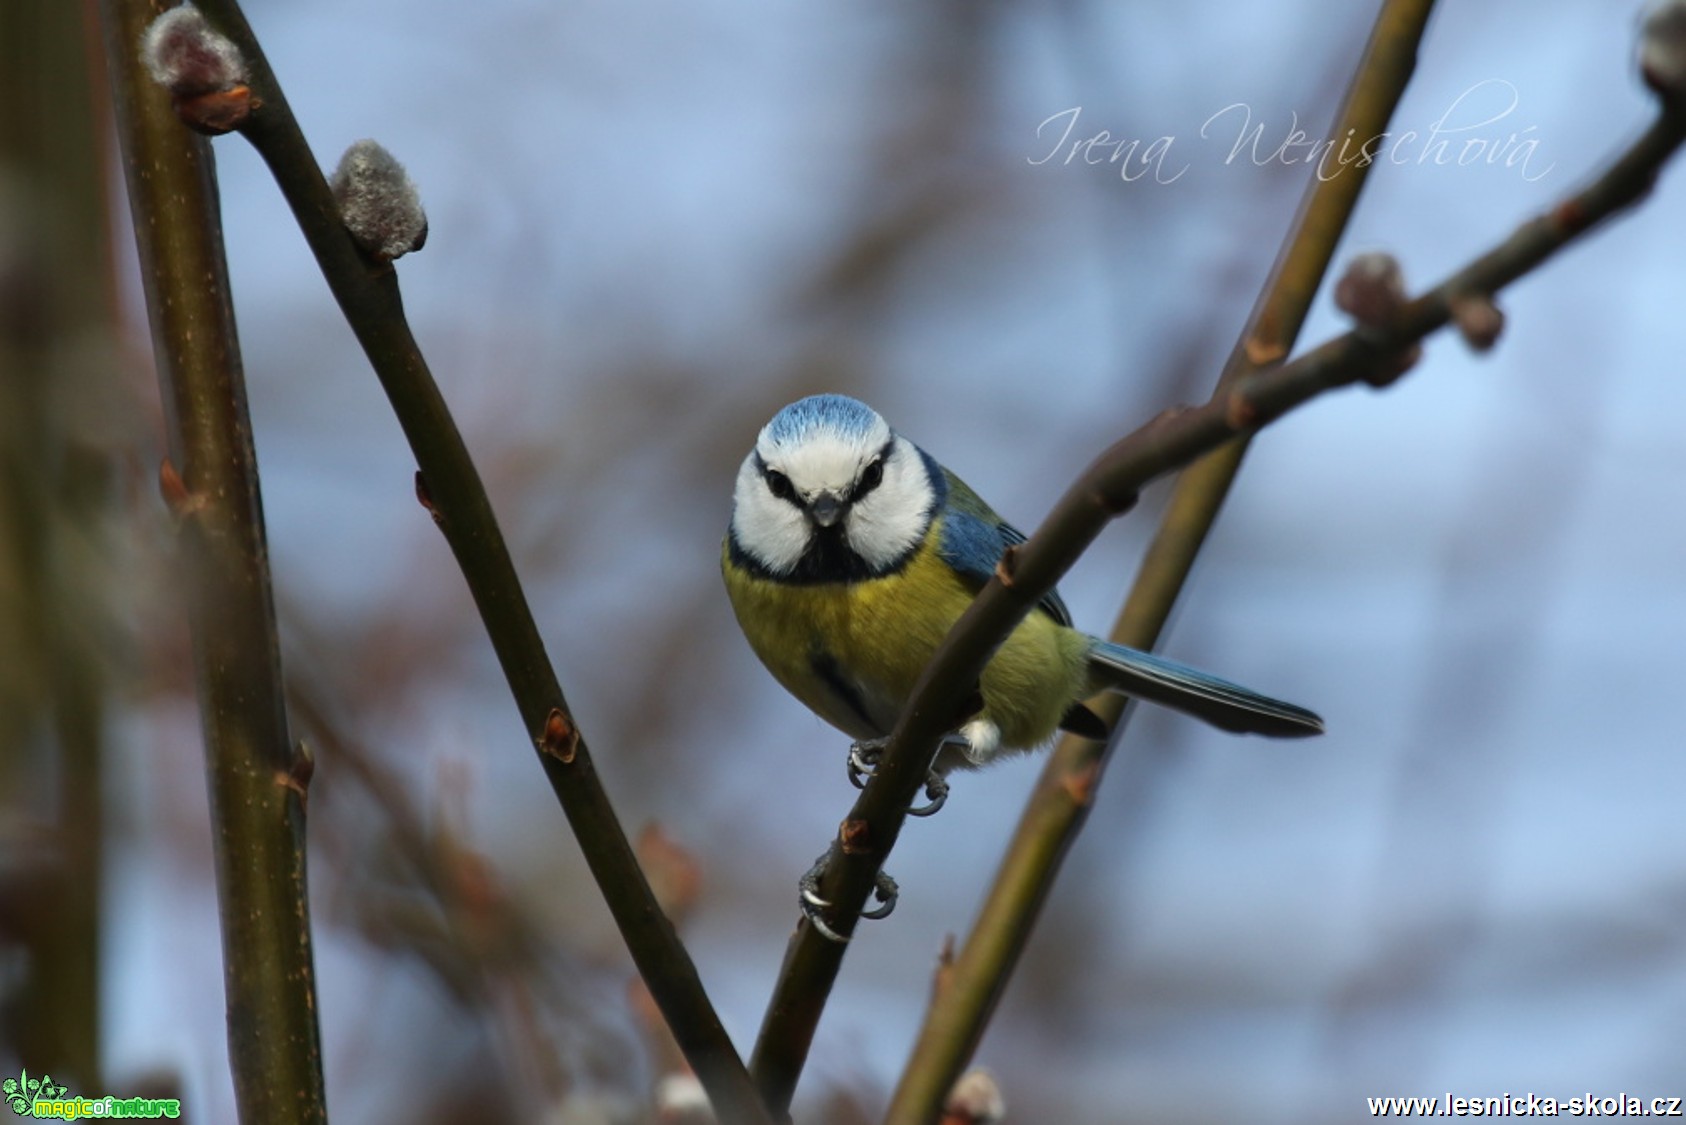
x,y
871,478
780,485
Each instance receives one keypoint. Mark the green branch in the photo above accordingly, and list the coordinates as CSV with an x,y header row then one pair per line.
x,y
257,790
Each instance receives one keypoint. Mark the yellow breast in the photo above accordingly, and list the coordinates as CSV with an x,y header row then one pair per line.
x,y
852,651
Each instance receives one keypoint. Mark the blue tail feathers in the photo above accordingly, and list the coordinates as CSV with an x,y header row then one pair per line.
x,y
1225,705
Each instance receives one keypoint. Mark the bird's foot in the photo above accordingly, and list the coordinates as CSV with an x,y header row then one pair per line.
x,y
936,795
863,763
814,906
864,758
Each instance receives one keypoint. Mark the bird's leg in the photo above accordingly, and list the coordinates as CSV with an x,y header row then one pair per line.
x,y
885,891
863,763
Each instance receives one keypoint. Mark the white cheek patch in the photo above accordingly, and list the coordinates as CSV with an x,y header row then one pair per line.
x,y
888,522
772,531
882,526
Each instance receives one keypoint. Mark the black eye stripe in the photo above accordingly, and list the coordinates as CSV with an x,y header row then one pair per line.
x,y
873,475
777,483
871,478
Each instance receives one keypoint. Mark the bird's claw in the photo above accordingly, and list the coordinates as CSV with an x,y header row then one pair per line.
x,y
863,760
885,890
813,905
863,763
936,795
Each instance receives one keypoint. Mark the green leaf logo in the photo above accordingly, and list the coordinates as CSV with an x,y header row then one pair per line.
x,y
22,1091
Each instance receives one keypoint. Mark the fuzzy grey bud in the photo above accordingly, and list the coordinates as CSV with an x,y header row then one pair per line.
x,y
203,71
378,203
1662,47
1372,289
185,56
1478,319
975,1100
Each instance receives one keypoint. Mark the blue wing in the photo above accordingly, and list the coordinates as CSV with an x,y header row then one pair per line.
x,y
974,538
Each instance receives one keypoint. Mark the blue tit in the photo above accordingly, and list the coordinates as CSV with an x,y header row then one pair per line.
x,y
852,552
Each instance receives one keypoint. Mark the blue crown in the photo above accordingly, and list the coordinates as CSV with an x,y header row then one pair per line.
x,y
846,417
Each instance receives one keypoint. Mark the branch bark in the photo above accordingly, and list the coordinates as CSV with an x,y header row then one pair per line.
x,y
256,786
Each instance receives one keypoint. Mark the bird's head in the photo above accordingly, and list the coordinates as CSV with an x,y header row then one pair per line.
x,y
830,492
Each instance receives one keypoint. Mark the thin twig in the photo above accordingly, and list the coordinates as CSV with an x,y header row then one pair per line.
x,y
450,486
211,483
974,981
1106,490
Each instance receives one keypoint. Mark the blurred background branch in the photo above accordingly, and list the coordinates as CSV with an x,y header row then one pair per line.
x,y
58,478
257,778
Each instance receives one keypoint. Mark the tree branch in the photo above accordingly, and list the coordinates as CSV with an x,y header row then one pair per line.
x,y
256,786
449,485
1106,490
974,981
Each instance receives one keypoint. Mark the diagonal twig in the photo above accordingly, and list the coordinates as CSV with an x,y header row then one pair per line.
x,y
1106,490
450,487
973,982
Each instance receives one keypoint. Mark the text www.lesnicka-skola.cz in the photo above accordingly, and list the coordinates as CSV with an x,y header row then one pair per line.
x,y
1526,1105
